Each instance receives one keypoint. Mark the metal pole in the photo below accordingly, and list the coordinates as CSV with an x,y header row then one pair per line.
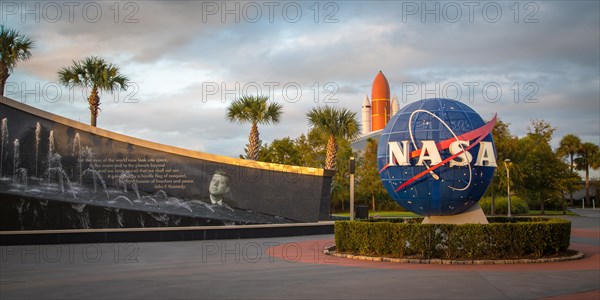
x,y
506,161
508,188
351,188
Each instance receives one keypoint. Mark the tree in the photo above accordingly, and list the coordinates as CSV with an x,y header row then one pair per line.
x,y
507,146
568,181
255,110
312,149
589,157
281,151
14,47
335,123
308,150
542,128
542,169
369,182
261,152
340,190
595,181
569,146
95,73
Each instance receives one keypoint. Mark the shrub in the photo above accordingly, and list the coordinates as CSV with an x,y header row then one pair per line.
x,y
553,202
517,205
503,238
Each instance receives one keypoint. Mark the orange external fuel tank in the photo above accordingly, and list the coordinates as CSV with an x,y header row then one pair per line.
x,y
380,102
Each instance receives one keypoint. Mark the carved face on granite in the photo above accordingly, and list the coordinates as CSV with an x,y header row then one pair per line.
x,y
219,186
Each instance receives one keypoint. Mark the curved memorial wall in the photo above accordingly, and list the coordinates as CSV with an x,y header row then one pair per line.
x,y
59,173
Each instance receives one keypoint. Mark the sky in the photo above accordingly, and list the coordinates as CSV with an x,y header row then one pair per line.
x,y
188,60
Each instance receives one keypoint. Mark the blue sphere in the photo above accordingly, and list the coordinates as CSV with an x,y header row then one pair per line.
x,y
444,189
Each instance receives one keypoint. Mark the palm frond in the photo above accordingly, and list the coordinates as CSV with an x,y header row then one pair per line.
x,y
339,122
335,123
255,110
14,47
93,71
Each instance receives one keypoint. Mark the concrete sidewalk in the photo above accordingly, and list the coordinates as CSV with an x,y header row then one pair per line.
x,y
587,212
276,268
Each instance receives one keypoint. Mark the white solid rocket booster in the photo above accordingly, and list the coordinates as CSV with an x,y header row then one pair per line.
x,y
366,116
395,105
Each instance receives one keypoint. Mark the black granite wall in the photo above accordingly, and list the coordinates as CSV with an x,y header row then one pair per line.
x,y
63,156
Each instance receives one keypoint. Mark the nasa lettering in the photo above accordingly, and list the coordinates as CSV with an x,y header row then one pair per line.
x,y
437,157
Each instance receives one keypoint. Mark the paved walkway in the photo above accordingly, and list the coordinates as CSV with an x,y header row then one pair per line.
x,y
277,268
588,212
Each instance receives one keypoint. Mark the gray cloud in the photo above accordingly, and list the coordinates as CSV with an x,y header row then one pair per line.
x,y
171,51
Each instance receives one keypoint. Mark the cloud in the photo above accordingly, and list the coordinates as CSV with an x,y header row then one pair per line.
x,y
177,50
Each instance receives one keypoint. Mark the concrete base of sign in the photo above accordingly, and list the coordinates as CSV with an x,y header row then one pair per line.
x,y
473,215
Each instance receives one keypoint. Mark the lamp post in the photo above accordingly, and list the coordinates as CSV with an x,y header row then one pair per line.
x,y
352,167
506,161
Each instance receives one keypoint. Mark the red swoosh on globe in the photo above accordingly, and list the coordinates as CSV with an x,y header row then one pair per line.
x,y
479,133
471,135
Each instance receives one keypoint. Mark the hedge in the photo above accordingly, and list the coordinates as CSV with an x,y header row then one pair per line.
x,y
503,238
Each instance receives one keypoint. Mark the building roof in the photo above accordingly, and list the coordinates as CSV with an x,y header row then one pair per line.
x,y
360,143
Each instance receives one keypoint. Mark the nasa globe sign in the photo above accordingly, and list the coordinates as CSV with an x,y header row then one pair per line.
x,y
437,157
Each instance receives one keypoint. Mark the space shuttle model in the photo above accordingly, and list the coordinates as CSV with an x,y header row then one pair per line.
x,y
377,112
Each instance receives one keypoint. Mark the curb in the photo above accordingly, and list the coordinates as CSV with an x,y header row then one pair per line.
x,y
161,234
331,251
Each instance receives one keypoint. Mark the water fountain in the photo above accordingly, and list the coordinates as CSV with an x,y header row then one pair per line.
x,y
119,198
98,179
95,175
3,143
19,174
87,155
16,159
128,178
38,137
176,202
21,178
77,154
51,155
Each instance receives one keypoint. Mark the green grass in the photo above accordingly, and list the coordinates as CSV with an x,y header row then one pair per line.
x,y
550,212
384,214
408,214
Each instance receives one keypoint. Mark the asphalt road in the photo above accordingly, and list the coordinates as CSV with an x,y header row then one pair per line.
x,y
277,268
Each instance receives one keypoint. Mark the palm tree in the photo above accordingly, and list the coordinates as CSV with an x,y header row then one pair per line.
x,y
336,123
589,157
14,47
569,146
96,73
256,110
